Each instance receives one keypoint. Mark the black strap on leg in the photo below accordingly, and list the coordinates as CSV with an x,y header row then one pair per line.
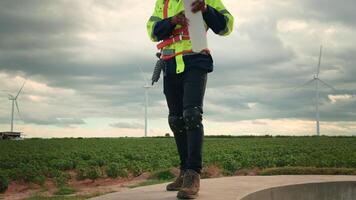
x,y
193,118
176,123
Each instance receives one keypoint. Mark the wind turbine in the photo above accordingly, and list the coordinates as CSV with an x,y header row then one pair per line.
x,y
14,102
147,86
317,81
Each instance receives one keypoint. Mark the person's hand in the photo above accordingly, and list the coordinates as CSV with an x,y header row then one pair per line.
x,y
199,5
179,19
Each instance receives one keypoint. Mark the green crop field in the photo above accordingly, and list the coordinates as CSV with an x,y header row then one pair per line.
x,y
34,160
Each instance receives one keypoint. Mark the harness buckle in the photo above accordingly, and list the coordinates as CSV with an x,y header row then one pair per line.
x,y
180,38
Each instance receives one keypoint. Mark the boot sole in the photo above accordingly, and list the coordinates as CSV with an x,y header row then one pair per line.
x,y
173,189
190,196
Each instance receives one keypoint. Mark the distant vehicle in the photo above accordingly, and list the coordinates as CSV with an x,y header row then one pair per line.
x,y
10,136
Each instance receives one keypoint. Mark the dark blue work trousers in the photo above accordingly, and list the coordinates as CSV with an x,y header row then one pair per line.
x,y
183,91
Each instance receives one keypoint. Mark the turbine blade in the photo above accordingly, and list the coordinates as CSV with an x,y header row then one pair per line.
x,y
327,85
10,96
319,63
21,89
143,75
306,83
18,110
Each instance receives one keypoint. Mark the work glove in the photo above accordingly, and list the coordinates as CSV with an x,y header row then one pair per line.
x,y
179,19
199,5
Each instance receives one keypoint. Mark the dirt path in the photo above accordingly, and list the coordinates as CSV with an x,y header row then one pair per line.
x,y
20,190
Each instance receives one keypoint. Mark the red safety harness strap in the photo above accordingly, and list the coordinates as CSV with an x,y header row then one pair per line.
x,y
183,30
172,40
165,9
177,35
167,57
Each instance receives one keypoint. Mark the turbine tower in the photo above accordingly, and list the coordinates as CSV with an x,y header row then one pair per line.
x,y
147,86
14,103
317,81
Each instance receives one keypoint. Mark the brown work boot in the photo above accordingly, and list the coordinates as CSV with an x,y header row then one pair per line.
x,y
191,185
177,184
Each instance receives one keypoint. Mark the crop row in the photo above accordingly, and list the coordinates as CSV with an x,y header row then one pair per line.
x,y
34,160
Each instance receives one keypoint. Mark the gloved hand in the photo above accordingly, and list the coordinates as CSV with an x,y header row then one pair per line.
x,y
179,19
199,5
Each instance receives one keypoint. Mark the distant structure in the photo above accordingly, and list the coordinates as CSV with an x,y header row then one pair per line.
x,y
146,87
318,82
10,136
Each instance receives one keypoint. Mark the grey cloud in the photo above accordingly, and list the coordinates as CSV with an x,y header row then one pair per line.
x,y
62,122
127,125
329,10
252,65
40,17
31,119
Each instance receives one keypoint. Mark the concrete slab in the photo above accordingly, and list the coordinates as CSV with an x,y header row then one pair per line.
x,y
227,188
337,190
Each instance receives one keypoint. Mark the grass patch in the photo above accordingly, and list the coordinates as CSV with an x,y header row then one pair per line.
x,y
4,183
165,174
307,171
65,197
65,191
57,198
156,177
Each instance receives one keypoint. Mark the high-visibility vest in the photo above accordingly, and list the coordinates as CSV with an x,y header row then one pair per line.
x,y
179,43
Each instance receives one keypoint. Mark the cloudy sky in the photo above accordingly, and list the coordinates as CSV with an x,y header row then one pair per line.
x,y
82,58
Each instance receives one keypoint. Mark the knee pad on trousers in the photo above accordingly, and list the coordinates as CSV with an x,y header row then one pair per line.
x,y
176,123
193,118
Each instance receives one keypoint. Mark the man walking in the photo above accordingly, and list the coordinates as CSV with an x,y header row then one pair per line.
x,y
185,81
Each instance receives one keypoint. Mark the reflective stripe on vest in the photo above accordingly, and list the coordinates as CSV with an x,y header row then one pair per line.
x,y
173,39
